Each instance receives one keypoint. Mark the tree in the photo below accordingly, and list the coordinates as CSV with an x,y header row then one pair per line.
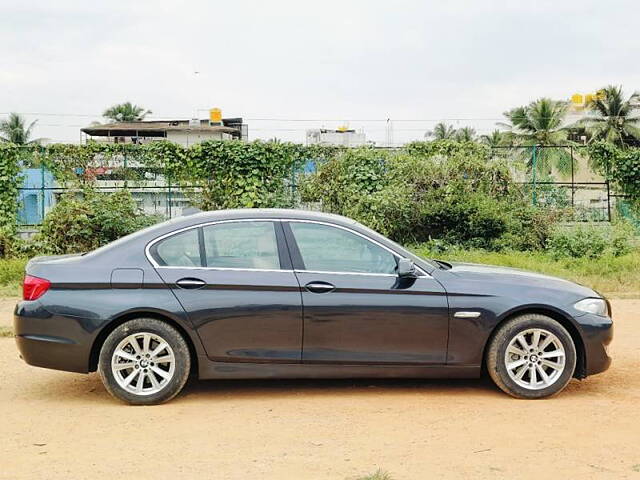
x,y
613,119
441,131
465,134
15,130
126,112
539,124
496,138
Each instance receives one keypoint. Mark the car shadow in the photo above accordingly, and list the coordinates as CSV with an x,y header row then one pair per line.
x,y
82,388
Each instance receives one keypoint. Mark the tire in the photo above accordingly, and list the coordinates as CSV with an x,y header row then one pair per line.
x,y
556,361
161,361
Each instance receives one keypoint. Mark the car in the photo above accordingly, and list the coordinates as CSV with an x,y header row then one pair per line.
x,y
276,293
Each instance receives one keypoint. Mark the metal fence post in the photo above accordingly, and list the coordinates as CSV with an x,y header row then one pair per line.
x,y
42,192
533,168
573,179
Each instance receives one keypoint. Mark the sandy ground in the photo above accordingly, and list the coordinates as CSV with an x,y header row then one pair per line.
x,y
63,425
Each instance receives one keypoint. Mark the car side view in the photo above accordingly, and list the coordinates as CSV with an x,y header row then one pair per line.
x,y
293,294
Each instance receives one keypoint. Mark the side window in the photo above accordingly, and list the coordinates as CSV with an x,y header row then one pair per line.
x,y
241,245
330,249
180,250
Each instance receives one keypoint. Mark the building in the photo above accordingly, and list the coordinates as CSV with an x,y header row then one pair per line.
x,y
183,132
343,136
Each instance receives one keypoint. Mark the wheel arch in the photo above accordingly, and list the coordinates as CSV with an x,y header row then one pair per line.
x,y
561,318
119,320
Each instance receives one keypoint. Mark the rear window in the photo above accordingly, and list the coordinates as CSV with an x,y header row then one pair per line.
x,y
179,250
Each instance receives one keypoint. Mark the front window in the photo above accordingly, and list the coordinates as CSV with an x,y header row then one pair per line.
x,y
330,249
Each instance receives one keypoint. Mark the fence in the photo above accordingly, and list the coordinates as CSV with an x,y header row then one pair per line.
x,y
551,176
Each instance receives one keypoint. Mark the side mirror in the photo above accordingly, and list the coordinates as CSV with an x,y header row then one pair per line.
x,y
406,268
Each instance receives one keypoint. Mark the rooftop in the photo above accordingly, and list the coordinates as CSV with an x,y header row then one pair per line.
x,y
152,128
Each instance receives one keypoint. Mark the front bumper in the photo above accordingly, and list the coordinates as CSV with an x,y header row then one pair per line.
x,y
51,341
597,333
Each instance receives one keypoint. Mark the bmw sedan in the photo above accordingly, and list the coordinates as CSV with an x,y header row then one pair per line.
x,y
294,294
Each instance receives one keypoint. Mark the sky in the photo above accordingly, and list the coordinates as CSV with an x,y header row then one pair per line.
x,y
286,66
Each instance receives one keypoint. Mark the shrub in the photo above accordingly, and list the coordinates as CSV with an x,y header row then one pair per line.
x,y
79,224
592,241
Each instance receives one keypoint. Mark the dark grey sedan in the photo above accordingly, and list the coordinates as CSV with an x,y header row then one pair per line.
x,y
286,293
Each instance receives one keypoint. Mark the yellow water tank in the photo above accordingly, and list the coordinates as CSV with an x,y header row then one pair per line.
x,y
215,116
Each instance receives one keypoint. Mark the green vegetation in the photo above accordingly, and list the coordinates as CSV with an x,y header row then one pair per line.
x,y
539,124
15,130
612,120
6,332
126,112
377,475
11,274
83,223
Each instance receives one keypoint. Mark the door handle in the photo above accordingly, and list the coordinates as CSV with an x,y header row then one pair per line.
x,y
190,283
320,287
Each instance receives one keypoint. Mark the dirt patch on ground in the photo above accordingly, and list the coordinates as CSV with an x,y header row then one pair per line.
x,y
63,425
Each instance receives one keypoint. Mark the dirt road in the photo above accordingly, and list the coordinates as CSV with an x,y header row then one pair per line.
x,y
57,425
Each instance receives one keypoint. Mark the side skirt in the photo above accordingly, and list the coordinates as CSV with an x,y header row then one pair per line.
x,y
212,370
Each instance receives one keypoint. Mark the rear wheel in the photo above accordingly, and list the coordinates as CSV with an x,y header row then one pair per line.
x,y
144,362
531,356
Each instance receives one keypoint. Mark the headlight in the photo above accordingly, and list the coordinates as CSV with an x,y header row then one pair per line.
x,y
597,306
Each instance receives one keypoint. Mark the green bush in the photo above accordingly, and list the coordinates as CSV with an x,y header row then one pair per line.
x,y
592,241
445,191
83,223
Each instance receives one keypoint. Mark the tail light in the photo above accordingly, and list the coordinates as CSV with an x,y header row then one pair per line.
x,y
34,287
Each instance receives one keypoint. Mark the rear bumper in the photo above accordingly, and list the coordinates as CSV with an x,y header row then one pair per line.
x,y
51,341
597,333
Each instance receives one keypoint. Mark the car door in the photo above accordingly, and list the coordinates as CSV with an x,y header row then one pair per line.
x,y
235,282
356,308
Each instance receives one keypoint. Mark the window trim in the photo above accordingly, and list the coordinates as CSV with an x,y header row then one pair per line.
x,y
284,241
276,224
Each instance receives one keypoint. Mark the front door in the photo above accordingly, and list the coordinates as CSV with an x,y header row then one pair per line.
x,y
235,282
356,309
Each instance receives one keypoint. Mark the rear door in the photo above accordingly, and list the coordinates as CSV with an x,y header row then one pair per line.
x,y
235,281
356,309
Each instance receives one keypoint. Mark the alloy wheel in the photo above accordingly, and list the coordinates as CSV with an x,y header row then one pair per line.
x,y
143,363
535,359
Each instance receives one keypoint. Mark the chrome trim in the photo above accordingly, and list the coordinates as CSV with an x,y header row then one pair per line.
x,y
348,273
233,269
466,314
215,222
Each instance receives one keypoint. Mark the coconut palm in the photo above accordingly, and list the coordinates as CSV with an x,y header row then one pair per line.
x,y
540,124
497,138
465,134
15,130
613,119
126,112
441,131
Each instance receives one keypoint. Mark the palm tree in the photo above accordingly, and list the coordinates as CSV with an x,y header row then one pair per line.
x,y
497,138
465,134
126,112
441,131
15,130
613,120
539,124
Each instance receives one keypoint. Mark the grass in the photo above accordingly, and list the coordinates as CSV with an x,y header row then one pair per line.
x,y
613,276
377,475
11,273
6,332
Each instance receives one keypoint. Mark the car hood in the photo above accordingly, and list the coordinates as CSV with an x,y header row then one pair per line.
x,y
521,278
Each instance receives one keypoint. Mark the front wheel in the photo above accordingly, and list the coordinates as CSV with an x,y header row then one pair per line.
x,y
531,356
144,361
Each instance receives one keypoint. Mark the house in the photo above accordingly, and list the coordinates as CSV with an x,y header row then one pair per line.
x,y
183,132
342,136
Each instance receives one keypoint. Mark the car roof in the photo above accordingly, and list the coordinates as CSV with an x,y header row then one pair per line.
x,y
268,213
